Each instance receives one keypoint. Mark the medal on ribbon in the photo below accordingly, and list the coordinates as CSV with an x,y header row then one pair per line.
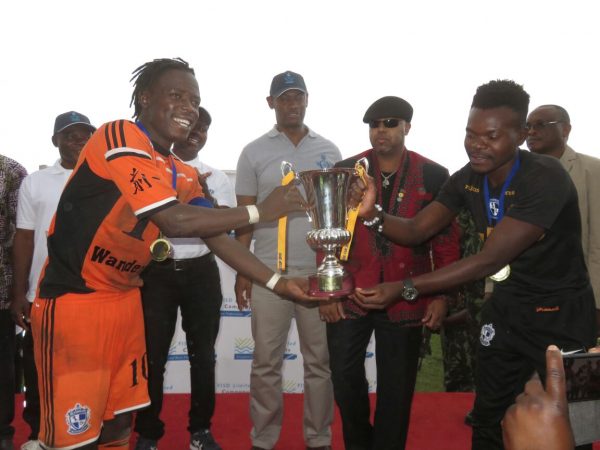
x,y
161,249
502,274
495,212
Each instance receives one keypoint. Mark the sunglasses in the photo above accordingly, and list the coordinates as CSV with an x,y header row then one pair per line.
x,y
537,126
388,123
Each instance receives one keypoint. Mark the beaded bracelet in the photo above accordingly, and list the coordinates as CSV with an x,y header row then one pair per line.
x,y
378,219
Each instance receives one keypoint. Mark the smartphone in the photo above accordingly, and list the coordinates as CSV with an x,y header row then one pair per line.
x,y
582,374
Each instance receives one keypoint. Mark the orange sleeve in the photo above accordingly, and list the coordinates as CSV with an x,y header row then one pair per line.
x,y
140,176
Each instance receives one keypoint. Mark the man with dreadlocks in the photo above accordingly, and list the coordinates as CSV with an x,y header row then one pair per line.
x,y
125,190
525,206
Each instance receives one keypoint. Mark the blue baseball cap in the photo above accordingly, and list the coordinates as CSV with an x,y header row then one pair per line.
x,y
286,81
65,120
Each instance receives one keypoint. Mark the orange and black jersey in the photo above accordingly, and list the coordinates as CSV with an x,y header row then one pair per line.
x,y
100,237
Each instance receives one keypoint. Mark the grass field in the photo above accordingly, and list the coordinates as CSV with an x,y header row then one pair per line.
x,y
431,375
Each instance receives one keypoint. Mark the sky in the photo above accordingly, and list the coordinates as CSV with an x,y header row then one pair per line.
x,y
64,55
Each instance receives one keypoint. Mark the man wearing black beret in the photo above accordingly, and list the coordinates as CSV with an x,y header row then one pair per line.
x,y
406,182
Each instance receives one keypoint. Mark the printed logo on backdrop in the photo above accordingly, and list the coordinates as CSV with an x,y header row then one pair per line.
x,y
291,350
370,353
292,386
229,308
244,349
227,388
372,384
178,350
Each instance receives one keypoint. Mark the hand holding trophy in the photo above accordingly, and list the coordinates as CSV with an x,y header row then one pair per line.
x,y
333,224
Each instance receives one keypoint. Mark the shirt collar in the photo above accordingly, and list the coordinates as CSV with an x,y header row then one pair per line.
x,y
191,162
58,168
274,132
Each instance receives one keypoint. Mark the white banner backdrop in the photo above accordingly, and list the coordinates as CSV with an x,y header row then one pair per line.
x,y
234,350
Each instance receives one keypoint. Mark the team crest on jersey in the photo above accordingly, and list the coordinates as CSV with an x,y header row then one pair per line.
x,y
487,334
78,419
494,207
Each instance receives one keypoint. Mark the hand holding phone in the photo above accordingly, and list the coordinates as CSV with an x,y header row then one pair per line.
x,y
582,375
539,420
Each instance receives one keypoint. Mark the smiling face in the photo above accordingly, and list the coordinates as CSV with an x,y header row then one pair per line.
x,y
188,149
169,108
290,108
492,139
70,141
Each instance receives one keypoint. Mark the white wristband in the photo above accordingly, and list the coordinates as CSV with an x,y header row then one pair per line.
x,y
253,215
273,281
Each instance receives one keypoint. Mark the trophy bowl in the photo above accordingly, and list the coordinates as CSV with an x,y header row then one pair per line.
x,y
326,194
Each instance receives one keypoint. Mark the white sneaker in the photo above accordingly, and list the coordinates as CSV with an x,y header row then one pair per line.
x,y
31,445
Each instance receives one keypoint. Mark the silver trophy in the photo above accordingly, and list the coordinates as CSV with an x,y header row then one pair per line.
x,y
326,193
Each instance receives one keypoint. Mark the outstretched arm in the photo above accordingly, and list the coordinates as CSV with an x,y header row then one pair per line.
x,y
244,262
509,239
408,232
210,224
428,222
191,221
243,285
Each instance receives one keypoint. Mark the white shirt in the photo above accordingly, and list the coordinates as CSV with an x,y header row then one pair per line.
x,y
222,191
38,198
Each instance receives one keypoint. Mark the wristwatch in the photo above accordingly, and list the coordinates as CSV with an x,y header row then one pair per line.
x,y
409,292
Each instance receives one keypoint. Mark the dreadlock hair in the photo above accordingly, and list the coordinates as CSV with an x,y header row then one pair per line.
x,y
499,93
146,74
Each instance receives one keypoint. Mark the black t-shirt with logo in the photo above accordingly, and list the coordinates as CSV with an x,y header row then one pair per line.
x,y
543,194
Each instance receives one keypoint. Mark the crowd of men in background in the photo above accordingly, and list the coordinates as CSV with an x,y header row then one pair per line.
x,y
510,231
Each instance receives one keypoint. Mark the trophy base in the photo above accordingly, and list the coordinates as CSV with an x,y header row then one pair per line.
x,y
325,287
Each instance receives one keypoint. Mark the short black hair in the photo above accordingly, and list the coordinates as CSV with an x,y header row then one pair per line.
x,y
563,115
146,74
204,117
498,93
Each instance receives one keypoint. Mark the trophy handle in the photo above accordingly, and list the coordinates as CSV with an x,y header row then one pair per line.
x,y
289,176
364,162
361,168
286,168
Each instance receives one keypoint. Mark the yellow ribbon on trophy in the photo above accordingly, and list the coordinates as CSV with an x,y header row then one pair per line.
x,y
352,214
282,229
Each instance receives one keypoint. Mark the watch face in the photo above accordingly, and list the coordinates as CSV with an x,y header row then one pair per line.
x,y
410,294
